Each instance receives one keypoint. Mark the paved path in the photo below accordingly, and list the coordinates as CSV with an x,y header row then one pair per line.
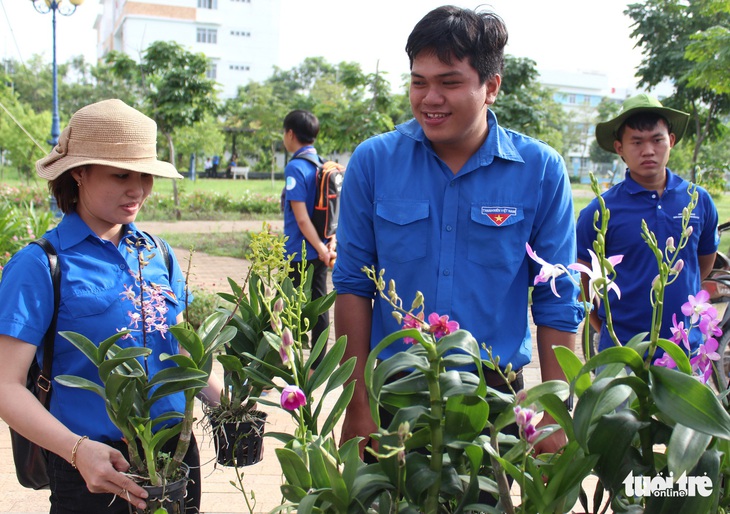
x,y
219,495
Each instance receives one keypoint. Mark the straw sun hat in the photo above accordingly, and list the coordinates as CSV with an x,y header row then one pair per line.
x,y
607,132
110,133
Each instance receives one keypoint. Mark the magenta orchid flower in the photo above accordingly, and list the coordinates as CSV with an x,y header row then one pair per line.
x,y
411,321
665,361
292,398
709,323
679,333
697,305
440,326
702,362
523,419
548,272
594,273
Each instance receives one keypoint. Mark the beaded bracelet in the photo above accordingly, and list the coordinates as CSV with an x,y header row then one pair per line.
x,y
75,449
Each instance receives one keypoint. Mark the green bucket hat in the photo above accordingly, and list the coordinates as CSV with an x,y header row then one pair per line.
x,y
607,132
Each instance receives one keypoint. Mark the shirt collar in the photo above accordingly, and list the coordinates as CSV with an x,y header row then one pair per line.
x,y
72,230
497,144
304,149
633,187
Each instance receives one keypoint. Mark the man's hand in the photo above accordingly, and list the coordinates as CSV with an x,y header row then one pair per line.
x,y
555,441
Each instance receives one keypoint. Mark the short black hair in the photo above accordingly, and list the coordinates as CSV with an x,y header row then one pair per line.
x,y
642,121
304,124
452,32
66,191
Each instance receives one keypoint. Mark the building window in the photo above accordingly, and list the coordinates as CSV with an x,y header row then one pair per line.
x,y
207,36
571,99
587,100
240,33
240,67
207,4
212,71
242,1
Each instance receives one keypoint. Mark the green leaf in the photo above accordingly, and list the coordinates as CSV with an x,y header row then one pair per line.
x,y
294,469
611,441
85,345
616,354
190,341
686,446
572,367
604,396
293,493
176,374
80,383
465,417
677,355
338,409
690,403
533,395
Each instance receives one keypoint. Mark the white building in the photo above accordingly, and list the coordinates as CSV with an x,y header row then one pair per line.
x,y
240,37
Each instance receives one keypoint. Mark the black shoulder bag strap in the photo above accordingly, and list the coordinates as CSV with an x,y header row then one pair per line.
x,y
44,378
164,252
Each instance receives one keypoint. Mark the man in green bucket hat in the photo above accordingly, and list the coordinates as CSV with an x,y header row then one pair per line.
x,y
643,134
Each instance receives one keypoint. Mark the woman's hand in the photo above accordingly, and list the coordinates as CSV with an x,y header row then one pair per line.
x,y
103,470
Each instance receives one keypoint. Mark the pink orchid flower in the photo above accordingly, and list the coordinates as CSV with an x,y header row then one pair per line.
x,y
709,323
703,360
697,305
594,273
440,326
411,321
679,333
665,361
548,272
292,398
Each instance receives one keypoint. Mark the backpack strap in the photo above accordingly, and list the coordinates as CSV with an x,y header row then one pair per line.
x,y
162,247
44,379
311,157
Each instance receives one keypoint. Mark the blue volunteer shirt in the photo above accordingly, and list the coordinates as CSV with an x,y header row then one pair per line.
x,y
301,186
460,239
630,203
94,273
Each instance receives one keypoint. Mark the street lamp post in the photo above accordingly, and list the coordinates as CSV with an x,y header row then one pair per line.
x,y
55,6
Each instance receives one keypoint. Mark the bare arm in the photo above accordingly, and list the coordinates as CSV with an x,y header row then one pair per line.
x,y
707,262
353,318
325,252
100,465
593,318
550,369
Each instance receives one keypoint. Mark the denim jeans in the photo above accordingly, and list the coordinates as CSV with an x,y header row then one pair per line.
x,y
69,494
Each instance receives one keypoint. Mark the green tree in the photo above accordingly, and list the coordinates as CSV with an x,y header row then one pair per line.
x,y
525,105
22,132
607,109
666,31
173,85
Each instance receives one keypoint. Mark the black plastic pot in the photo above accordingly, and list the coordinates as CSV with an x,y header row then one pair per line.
x,y
240,444
171,496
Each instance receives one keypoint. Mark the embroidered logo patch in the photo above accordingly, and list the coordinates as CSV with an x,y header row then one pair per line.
x,y
499,215
291,183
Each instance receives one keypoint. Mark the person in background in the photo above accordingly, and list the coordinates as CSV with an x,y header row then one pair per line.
x,y
101,172
445,204
643,134
300,130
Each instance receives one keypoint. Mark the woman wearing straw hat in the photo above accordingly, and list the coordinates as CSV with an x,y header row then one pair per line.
x,y
643,135
100,172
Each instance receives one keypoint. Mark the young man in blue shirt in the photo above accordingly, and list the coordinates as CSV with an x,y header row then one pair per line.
x,y
643,134
300,130
445,204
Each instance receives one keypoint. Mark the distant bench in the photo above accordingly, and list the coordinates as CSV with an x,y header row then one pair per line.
x,y
240,171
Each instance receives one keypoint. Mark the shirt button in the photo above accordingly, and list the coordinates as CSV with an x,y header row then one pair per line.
x,y
447,273
122,266
653,196
659,206
449,228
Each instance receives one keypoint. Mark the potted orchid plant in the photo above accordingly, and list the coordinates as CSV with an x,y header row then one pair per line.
x,y
130,391
639,421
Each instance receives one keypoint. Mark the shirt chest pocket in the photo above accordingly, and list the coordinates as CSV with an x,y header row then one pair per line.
x,y
402,230
94,303
497,234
